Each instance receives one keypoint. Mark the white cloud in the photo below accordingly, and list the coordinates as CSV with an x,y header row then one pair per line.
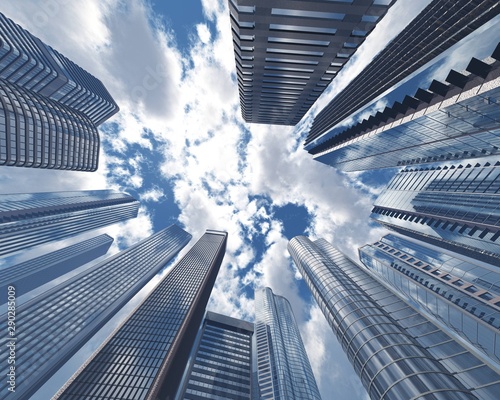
x,y
203,33
216,164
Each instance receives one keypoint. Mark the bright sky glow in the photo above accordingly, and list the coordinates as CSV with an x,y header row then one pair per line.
x,y
180,146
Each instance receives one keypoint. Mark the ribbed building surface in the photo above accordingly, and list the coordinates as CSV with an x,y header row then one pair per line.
x,y
221,366
28,62
458,293
146,356
49,106
439,26
56,324
397,352
28,275
284,371
288,52
31,219
38,132
453,120
456,207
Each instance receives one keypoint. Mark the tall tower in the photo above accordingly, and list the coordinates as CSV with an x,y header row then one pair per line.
x,y
30,274
30,219
145,357
456,207
457,293
396,351
284,371
288,52
221,362
57,323
452,120
49,106
438,27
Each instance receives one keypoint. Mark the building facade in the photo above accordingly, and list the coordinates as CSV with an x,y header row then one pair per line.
x,y
452,206
221,364
49,106
57,323
287,53
284,371
439,26
31,219
38,132
459,294
453,120
29,275
145,357
396,351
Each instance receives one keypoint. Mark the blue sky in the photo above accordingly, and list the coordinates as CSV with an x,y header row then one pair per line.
x,y
180,146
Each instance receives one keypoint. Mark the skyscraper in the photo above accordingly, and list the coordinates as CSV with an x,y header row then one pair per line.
x,y
457,119
221,364
58,322
457,293
231,361
396,351
30,219
49,106
30,274
287,53
284,371
439,26
452,206
145,357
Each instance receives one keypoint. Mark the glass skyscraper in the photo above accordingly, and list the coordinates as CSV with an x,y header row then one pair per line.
x,y
221,364
30,274
456,119
288,52
461,294
236,360
439,26
453,206
31,219
49,106
145,357
53,326
284,371
394,348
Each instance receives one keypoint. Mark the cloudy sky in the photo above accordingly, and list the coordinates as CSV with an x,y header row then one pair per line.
x,y
180,146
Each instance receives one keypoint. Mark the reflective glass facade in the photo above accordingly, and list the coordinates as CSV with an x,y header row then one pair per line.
x,y
284,371
28,62
397,352
456,293
288,52
145,357
220,367
455,206
439,26
30,274
41,133
49,106
457,119
54,325
30,219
